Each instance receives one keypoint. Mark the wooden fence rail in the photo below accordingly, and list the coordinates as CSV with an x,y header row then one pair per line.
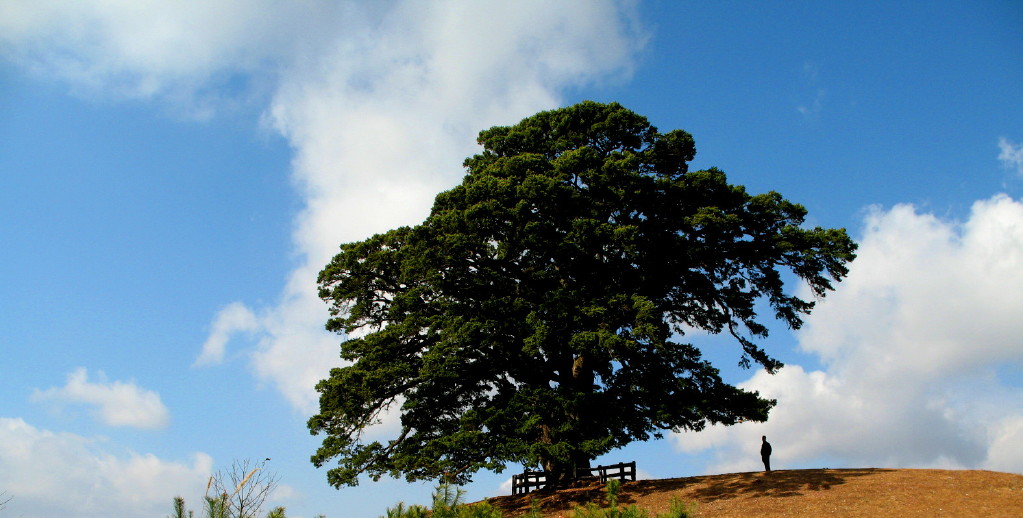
x,y
524,482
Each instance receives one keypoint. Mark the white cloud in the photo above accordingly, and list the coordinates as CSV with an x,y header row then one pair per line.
x,y
117,403
380,101
911,344
1004,453
60,474
1011,154
295,352
382,120
176,51
642,474
506,487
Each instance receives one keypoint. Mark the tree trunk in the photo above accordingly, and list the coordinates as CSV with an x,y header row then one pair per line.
x,y
582,383
562,472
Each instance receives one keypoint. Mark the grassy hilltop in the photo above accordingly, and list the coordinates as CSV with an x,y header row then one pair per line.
x,y
820,492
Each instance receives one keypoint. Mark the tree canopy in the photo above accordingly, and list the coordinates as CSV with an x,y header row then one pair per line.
x,y
538,316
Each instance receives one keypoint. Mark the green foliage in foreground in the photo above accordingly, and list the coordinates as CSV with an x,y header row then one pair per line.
x,y
238,492
677,509
447,503
217,507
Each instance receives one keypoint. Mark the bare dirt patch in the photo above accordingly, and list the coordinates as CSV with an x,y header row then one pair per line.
x,y
831,492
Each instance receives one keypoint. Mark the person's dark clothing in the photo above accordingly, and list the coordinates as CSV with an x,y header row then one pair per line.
x,y
765,454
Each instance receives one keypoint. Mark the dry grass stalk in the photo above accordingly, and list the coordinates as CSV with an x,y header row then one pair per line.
x,y
244,480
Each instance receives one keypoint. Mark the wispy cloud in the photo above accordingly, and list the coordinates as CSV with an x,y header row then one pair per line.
x,y
910,343
233,318
811,77
1011,155
116,403
815,106
383,118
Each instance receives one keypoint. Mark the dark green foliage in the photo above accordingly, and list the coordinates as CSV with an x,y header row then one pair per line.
x,y
535,316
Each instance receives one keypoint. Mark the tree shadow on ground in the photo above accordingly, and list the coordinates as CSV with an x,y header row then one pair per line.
x,y
552,499
778,484
707,488
581,493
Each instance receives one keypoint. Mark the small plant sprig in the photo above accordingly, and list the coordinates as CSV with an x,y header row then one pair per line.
x,y
613,488
679,509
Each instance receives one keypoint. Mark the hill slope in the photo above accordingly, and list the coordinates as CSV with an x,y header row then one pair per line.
x,y
831,492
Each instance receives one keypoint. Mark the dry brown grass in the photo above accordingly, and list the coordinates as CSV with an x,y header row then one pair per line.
x,y
820,492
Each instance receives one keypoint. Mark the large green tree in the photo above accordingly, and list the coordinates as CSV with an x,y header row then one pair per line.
x,y
538,315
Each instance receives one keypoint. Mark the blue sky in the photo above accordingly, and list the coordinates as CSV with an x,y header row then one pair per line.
x,y
173,175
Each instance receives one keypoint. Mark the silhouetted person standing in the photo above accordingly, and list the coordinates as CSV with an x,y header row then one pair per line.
x,y
765,454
